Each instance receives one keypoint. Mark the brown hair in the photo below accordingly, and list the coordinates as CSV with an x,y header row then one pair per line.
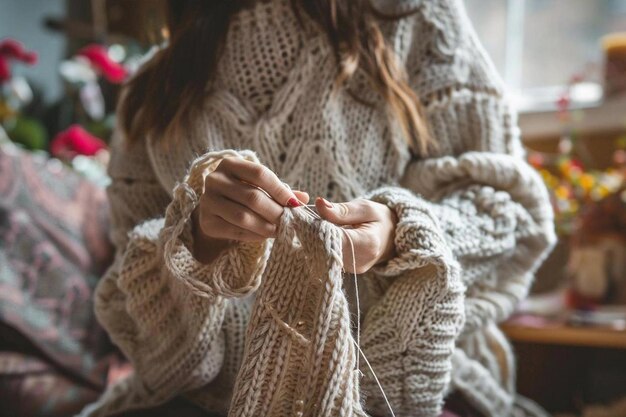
x,y
161,97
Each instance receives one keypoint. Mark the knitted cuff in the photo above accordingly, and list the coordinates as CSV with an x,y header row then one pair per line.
x,y
417,232
234,273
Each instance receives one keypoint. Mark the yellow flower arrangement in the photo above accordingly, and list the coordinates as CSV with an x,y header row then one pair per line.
x,y
571,187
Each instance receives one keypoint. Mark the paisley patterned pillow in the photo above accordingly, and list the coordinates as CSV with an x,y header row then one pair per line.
x,y
53,249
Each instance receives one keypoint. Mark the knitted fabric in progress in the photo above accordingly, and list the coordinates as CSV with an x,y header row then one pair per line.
x,y
300,355
474,222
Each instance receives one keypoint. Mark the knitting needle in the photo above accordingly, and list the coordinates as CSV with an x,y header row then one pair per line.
x,y
310,209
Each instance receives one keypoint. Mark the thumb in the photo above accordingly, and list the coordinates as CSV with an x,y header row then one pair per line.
x,y
353,212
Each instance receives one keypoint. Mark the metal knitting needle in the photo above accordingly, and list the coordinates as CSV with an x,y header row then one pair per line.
x,y
310,208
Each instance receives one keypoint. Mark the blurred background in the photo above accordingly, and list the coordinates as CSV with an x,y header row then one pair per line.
x,y
61,65
538,44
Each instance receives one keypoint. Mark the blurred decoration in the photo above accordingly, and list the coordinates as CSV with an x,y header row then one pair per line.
x,y
83,74
590,212
614,46
15,95
597,263
137,22
111,40
100,61
28,132
572,186
11,50
75,141
86,153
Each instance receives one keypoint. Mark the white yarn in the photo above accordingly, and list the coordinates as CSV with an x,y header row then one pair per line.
x,y
358,324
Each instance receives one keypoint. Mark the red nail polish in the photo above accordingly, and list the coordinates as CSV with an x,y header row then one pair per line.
x,y
293,202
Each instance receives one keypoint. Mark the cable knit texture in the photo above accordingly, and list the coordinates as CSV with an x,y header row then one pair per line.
x,y
267,329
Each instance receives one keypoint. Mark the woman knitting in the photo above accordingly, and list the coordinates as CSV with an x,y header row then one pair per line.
x,y
227,291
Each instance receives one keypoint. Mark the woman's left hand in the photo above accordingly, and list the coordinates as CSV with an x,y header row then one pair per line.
x,y
371,226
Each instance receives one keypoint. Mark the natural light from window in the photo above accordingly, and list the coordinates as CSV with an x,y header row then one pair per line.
x,y
540,45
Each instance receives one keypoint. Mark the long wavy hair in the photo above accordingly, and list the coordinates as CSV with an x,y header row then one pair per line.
x,y
162,97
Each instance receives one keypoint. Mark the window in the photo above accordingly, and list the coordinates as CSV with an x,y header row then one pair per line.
x,y
539,45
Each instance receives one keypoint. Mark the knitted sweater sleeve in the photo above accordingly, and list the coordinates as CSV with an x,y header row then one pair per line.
x,y
170,315
477,192
473,210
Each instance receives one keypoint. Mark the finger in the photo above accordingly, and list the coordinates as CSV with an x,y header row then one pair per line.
x,y
244,194
240,215
353,212
260,176
302,196
216,227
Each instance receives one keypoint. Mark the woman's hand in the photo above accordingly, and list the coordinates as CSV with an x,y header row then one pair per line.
x,y
371,226
242,201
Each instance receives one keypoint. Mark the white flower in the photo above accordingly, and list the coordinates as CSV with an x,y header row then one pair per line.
x,y
78,70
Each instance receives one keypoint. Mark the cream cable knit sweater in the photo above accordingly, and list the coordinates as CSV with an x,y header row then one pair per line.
x,y
474,223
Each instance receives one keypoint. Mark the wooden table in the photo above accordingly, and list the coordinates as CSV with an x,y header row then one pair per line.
x,y
561,366
566,335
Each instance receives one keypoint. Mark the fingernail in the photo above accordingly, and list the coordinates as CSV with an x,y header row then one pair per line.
x,y
326,203
292,202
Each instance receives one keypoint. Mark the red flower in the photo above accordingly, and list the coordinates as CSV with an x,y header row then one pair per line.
x,y
563,102
536,160
99,59
75,141
11,49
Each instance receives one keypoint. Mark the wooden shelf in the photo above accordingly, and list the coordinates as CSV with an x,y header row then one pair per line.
x,y
608,116
562,334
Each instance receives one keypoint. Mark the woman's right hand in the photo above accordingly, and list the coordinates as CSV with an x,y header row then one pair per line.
x,y
242,201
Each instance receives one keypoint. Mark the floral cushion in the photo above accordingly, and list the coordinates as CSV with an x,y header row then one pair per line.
x,y
53,249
